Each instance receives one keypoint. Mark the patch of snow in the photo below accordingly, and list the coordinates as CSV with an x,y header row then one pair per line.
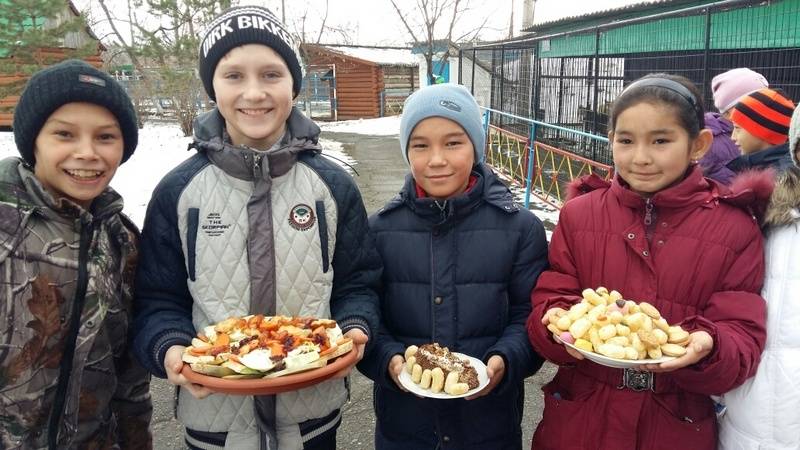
x,y
383,126
335,151
546,212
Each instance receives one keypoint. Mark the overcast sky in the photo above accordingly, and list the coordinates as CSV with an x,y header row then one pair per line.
x,y
375,21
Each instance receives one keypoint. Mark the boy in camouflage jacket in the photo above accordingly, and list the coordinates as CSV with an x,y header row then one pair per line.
x,y
67,255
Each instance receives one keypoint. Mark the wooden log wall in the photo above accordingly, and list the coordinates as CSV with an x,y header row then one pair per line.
x,y
358,85
7,104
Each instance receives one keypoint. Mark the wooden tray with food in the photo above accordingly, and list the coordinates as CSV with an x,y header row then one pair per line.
x,y
259,355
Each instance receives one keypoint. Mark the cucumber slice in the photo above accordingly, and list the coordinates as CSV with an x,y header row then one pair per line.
x,y
212,370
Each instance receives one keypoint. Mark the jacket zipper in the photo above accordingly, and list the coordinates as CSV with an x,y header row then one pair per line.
x,y
433,292
257,165
648,213
65,370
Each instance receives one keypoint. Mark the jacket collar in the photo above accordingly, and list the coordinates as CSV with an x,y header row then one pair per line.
x,y
29,193
784,205
488,188
246,163
777,156
749,191
694,189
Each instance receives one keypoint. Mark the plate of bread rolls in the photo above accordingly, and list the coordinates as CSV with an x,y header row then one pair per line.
x,y
612,331
435,372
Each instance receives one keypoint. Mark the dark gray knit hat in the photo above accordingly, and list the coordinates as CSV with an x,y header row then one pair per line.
x,y
242,25
71,81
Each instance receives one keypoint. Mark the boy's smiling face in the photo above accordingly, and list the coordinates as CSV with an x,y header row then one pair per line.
x,y
254,94
441,156
78,151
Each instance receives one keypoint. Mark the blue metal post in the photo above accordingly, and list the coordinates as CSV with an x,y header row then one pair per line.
x,y
531,156
486,114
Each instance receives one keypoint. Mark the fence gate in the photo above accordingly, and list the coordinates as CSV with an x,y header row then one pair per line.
x,y
317,98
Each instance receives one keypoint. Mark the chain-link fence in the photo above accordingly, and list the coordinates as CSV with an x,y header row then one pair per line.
x,y
317,98
570,78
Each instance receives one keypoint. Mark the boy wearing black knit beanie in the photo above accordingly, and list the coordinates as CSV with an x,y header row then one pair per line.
x,y
68,379
257,222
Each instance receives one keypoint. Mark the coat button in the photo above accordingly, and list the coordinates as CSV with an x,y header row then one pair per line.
x,y
661,242
645,253
437,300
90,323
664,224
631,236
446,438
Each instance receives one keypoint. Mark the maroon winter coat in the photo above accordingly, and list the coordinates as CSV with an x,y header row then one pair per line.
x,y
702,266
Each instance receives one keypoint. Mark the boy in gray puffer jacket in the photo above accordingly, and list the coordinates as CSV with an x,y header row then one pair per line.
x,y
256,222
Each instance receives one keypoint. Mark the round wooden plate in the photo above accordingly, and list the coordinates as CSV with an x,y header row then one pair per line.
x,y
262,386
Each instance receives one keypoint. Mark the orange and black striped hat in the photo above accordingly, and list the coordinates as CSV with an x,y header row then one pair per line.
x,y
765,114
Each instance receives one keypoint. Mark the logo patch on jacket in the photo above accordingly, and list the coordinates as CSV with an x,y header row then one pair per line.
x,y
301,217
214,226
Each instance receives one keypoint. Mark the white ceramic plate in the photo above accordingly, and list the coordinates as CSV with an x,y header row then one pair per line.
x,y
480,367
613,362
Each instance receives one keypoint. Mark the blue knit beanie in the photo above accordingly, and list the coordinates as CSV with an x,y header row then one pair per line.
x,y
451,101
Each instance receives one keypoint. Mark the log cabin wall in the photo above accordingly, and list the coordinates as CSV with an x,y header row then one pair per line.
x,y
8,104
358,83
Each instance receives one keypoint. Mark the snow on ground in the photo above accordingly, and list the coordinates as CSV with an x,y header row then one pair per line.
x,y
161,148
384,126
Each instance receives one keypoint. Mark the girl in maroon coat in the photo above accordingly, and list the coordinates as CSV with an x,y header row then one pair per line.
x,y
661,233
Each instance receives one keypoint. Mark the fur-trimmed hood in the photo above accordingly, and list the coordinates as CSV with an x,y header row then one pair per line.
x,y
749,191
784,205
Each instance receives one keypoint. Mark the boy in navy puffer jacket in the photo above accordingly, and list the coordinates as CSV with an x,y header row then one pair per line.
x,y
460,259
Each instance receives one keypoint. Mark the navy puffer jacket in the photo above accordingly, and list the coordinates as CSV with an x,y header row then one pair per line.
x,y
459,273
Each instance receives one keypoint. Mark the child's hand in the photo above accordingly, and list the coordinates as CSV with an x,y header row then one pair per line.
x,y
550,312
495,369
700,345
546,321
396,365
360,342
173,363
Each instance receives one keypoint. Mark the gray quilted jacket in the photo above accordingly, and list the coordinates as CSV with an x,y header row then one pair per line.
x,y
233,231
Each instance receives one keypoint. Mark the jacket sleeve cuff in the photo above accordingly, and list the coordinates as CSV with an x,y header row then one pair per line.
x,y
699,323
162,343
383,370
354,322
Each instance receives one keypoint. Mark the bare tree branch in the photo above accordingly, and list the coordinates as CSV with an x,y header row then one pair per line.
x,y
129,50
324,19
405,23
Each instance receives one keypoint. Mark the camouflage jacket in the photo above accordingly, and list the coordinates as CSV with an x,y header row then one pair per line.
x,y
53,258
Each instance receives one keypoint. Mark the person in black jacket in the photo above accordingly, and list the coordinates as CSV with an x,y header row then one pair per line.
x,y
460,260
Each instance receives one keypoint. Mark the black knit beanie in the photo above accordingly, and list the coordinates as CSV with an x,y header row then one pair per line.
x,y
71,81
246,25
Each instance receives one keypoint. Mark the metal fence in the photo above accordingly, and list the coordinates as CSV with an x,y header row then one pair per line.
x,y
570,78
317,98
543,170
